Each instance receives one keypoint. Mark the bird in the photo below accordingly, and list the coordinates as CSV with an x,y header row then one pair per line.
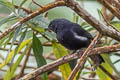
x,y
73,37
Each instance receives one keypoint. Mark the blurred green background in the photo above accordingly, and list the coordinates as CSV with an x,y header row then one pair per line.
x,y
92,6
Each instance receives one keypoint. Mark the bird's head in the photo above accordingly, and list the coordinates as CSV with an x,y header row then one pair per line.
x,y
57,24
53,25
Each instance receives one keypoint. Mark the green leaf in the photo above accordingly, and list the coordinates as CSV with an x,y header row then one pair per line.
x,y
108,66
50,35
75,18
38,53
4,62
10,37
60,51
116,24
13,40
7,4
102,75
116,61
7,19
108,60
40,20
22,3
100,14
10,73
35,27
4,38
19,42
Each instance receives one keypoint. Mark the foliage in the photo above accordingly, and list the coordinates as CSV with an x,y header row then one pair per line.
x,y
33,34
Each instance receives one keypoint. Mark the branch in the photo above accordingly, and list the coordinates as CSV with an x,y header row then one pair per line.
x,y
109,6
102,28
115,3
26,10
108,16
50,66
32,15
68,58
84,56
106,49
109,23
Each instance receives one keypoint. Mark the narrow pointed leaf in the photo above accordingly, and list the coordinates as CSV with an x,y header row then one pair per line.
x,y
10,73
3,63
60,51
38,53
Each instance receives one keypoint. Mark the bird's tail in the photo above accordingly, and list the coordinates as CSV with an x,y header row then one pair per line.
x,y
97,59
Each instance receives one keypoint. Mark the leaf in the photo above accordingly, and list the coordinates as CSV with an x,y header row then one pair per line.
x,y
60,51
51,35
108,66
38,53
116,24
40,20
100,14
22,3
7,4
4,38
108,60
102,75
14,39
75,18
10,37
12,52
10,72
116,61
34,27
7,19
19,42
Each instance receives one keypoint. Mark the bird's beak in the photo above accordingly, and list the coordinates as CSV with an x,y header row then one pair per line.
x,y
47,29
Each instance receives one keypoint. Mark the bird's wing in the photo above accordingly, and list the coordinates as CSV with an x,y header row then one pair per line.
x,y
80,31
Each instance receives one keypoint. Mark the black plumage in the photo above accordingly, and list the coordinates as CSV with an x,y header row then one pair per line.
x,y
73,36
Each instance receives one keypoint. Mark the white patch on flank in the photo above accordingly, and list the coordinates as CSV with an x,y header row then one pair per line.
x,y
80,37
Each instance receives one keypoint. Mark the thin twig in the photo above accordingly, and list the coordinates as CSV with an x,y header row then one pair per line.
x,y
109,16
44,44
84,56
106,49
25,9
24,64
45,36
108,22
37,4
49,54
87,78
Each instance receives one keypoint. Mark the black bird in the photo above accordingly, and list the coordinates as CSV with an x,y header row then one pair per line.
x,y
73,36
